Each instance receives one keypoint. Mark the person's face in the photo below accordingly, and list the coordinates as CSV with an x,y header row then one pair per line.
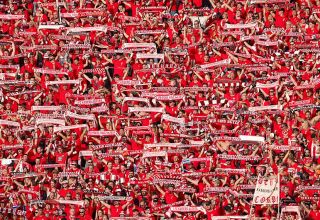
x,y
142,203
271,92
135,213
172,83
81,211
72,212
309,93
225,15
39,150
308,115
314,206
281,101
40,211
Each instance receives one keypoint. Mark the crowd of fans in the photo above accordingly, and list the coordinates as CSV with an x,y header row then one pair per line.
x,y
158,109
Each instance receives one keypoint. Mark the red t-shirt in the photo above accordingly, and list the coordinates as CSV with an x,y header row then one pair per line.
x,y
61,158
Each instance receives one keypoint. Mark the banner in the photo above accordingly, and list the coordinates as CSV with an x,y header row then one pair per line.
x,y
149,56
146,109
10,147
167,117
89,29
103,146
267,43
215,189
85,153
50,121
300,103
169,97
99,109
50,26
154,154
44,47
62,82
113,198
231,171
81,117
167,181
135,45
291,209
11,17
103,133
216,64
248,138
240,26
9,123
10,66
187,209
67,202
128,82
70,127
267,191
269,85
16,82
76,46
135,128
136,99
238,157
23,92
89,102
46,108
229,217
83,14
69,174
149,31
268,1
152,9
196,159
49,166
49,71
284,148
264,108
148,146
